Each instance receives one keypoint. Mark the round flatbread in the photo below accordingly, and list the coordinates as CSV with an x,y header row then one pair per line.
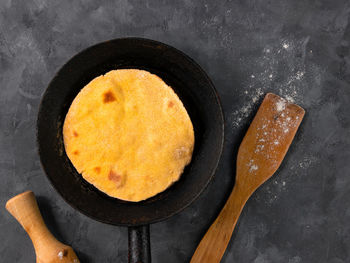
x,y
128,134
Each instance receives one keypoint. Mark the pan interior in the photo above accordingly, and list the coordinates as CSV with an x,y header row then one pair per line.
x,y
189,82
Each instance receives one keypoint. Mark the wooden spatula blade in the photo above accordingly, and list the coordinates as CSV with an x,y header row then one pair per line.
x,y
259,156
267,139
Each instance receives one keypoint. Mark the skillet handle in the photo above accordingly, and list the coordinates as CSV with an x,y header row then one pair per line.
x,y
139,244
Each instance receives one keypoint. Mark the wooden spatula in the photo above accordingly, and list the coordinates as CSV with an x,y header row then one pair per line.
x,y
47,248
260,154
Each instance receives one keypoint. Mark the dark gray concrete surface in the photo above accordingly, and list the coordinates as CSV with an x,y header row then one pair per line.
x,y
298,49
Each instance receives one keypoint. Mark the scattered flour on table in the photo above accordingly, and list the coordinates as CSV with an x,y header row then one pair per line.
x,y
307,161
285,45
273,191
246,110
281,70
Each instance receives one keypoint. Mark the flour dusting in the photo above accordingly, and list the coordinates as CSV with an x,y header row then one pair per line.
x,y
246,110
252,167
281,105
273,132
299,75
296,168
280,69
285,45
290,99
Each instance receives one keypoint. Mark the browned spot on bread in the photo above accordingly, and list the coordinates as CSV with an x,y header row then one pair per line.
x,y
76,152
65,252
108,97
113,176
170,104
75,134
97,169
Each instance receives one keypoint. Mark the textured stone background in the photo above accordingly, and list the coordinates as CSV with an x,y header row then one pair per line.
x,y
298,49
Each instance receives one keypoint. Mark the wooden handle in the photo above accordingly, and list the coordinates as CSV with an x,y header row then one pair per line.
x,y
213,245
47,248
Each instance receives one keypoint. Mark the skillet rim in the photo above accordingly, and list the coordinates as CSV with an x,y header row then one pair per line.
x,y
220,147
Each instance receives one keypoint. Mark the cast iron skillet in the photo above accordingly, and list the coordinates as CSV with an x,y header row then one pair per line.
x,y
195,90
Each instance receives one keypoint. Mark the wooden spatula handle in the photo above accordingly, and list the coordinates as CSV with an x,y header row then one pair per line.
x,y
25,209
47,248
213,245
